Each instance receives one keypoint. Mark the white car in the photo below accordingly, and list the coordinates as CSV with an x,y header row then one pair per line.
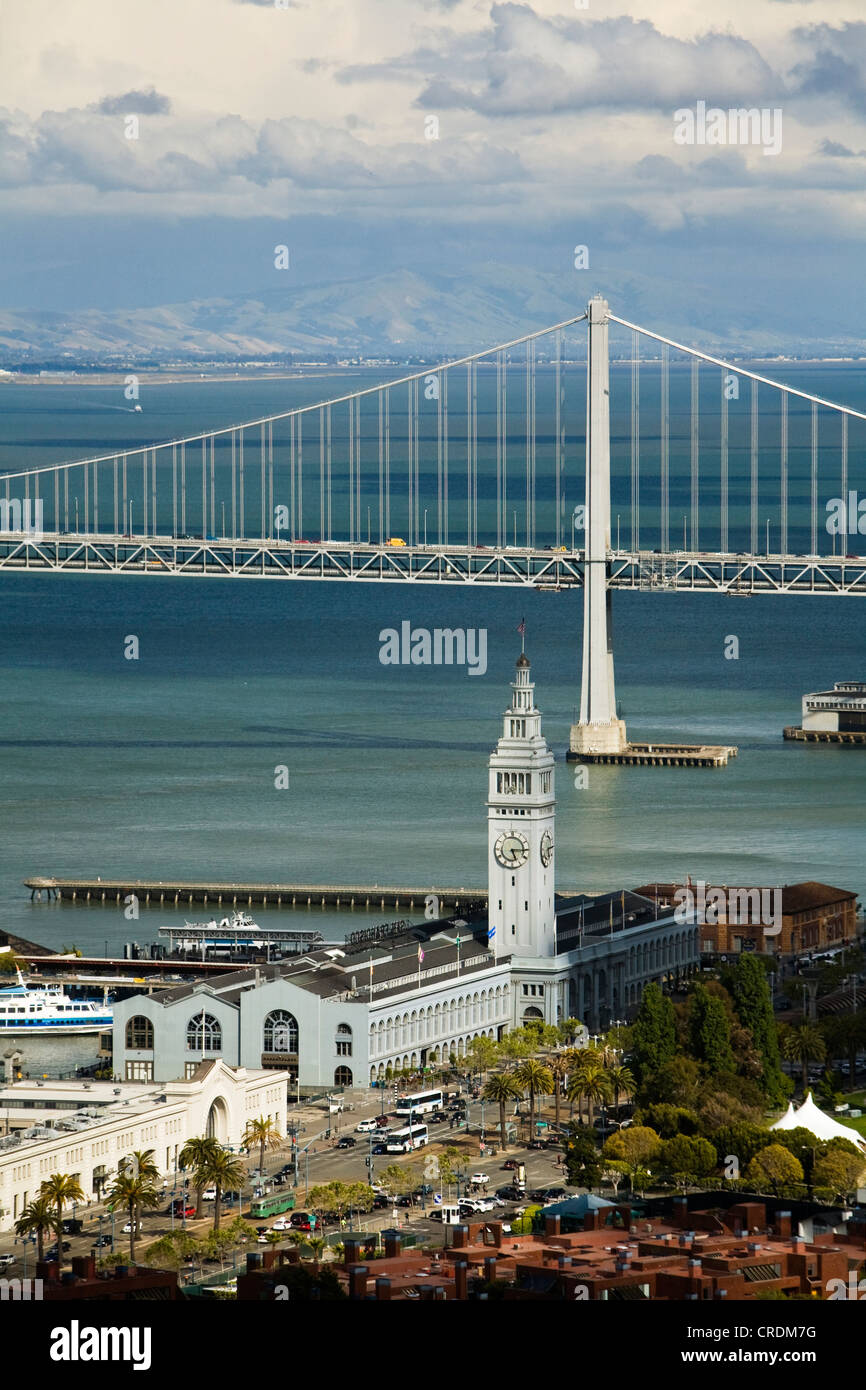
x,y
366,1127
127,1230
6,1261
282,1224
209,1194
485,1204
482,1179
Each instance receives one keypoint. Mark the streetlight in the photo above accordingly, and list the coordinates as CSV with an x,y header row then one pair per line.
x,y
223,532
685,547
617,530
425,528
768,535
76,513
368,525
514,514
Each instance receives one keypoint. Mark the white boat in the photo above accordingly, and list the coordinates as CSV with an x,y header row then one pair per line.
x,y
33,1010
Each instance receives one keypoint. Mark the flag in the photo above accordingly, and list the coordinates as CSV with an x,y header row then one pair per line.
x,y
420,955
491,932
521,627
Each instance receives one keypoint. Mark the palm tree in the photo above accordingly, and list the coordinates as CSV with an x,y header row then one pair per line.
x,y
136,1192
622,1083
559,1068
195,1154
316,1244
222,1171
535,1078
59,1189
39,1216
501,1088
263,1132
803,1043
590,1083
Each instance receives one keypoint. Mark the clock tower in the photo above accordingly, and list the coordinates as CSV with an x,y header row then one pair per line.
x,y
520,823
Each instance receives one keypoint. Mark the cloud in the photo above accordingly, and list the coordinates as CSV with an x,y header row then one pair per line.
x,y
529,64
149,103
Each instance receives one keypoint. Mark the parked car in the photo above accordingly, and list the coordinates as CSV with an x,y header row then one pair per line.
x,y
381,1202
347,1141
555,1194
6,1261
301,1221
209,1194
282,1223
182,1209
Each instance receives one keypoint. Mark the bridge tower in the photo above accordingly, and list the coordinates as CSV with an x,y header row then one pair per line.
x,y
598,729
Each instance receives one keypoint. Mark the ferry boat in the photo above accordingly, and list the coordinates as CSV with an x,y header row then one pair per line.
x,y
33,1010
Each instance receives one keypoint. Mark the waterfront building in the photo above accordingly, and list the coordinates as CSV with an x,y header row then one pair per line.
x,y
812,917
413,996
84,1128
842,709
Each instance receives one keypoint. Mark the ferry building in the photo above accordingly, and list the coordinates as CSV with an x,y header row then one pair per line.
x,y
413,996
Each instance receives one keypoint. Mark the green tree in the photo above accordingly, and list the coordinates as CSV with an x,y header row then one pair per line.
x,y
709,1031
740,1141
482,1052
516,1045
308,1283
582,1159
839,1171
667,1120
60,1189
263,1132
775,1169
195,1154
688,1158
224,1173
569,1029
654,1033
750,991
622,1082
803,1043
536,1079
341,1197
398,1179
500,1089
636,1148
136,1191
39,1216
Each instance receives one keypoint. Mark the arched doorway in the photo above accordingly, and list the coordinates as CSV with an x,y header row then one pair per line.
x,y
218,1121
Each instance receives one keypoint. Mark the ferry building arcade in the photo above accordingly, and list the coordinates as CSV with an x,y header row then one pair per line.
x,y
416,995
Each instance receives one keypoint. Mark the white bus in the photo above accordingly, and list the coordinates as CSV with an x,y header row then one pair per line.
x,y
400,1141
421,1103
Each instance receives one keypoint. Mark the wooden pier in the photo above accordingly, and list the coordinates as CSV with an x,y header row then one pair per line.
x,y
372,897
663,755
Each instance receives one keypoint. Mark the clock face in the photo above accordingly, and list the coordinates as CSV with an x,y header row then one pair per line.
x,y
511,849
546,848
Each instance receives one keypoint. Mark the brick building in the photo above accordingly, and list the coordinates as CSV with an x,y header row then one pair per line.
x,y
814,917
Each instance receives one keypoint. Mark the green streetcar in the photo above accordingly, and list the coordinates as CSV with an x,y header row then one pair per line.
x,y
273,1205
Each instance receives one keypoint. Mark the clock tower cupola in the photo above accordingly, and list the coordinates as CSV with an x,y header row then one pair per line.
x,y
520,823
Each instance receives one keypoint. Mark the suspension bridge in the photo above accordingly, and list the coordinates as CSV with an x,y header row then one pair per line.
x,y
538,462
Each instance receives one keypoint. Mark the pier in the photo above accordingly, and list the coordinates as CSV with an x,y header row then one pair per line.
x,y
824,735
662,755
149,893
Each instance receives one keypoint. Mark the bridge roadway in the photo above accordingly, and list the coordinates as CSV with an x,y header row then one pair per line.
x,y
541,568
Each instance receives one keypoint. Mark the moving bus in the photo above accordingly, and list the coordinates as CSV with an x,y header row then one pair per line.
x,y
272,1205
400,1141
420,1103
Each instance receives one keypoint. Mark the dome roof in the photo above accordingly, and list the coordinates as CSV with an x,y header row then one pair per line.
x,y
523,659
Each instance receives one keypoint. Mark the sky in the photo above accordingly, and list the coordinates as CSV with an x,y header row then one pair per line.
x,y
436,136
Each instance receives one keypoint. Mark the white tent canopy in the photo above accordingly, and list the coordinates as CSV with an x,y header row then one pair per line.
x,y
822,1126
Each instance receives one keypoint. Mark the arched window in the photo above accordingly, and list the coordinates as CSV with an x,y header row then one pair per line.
x,y
344,1028
213,1034
280,1032
139,1033
342,1076
344,1040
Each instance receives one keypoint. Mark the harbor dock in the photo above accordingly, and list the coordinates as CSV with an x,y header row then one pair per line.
x,y
824,735
150,893
662,755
